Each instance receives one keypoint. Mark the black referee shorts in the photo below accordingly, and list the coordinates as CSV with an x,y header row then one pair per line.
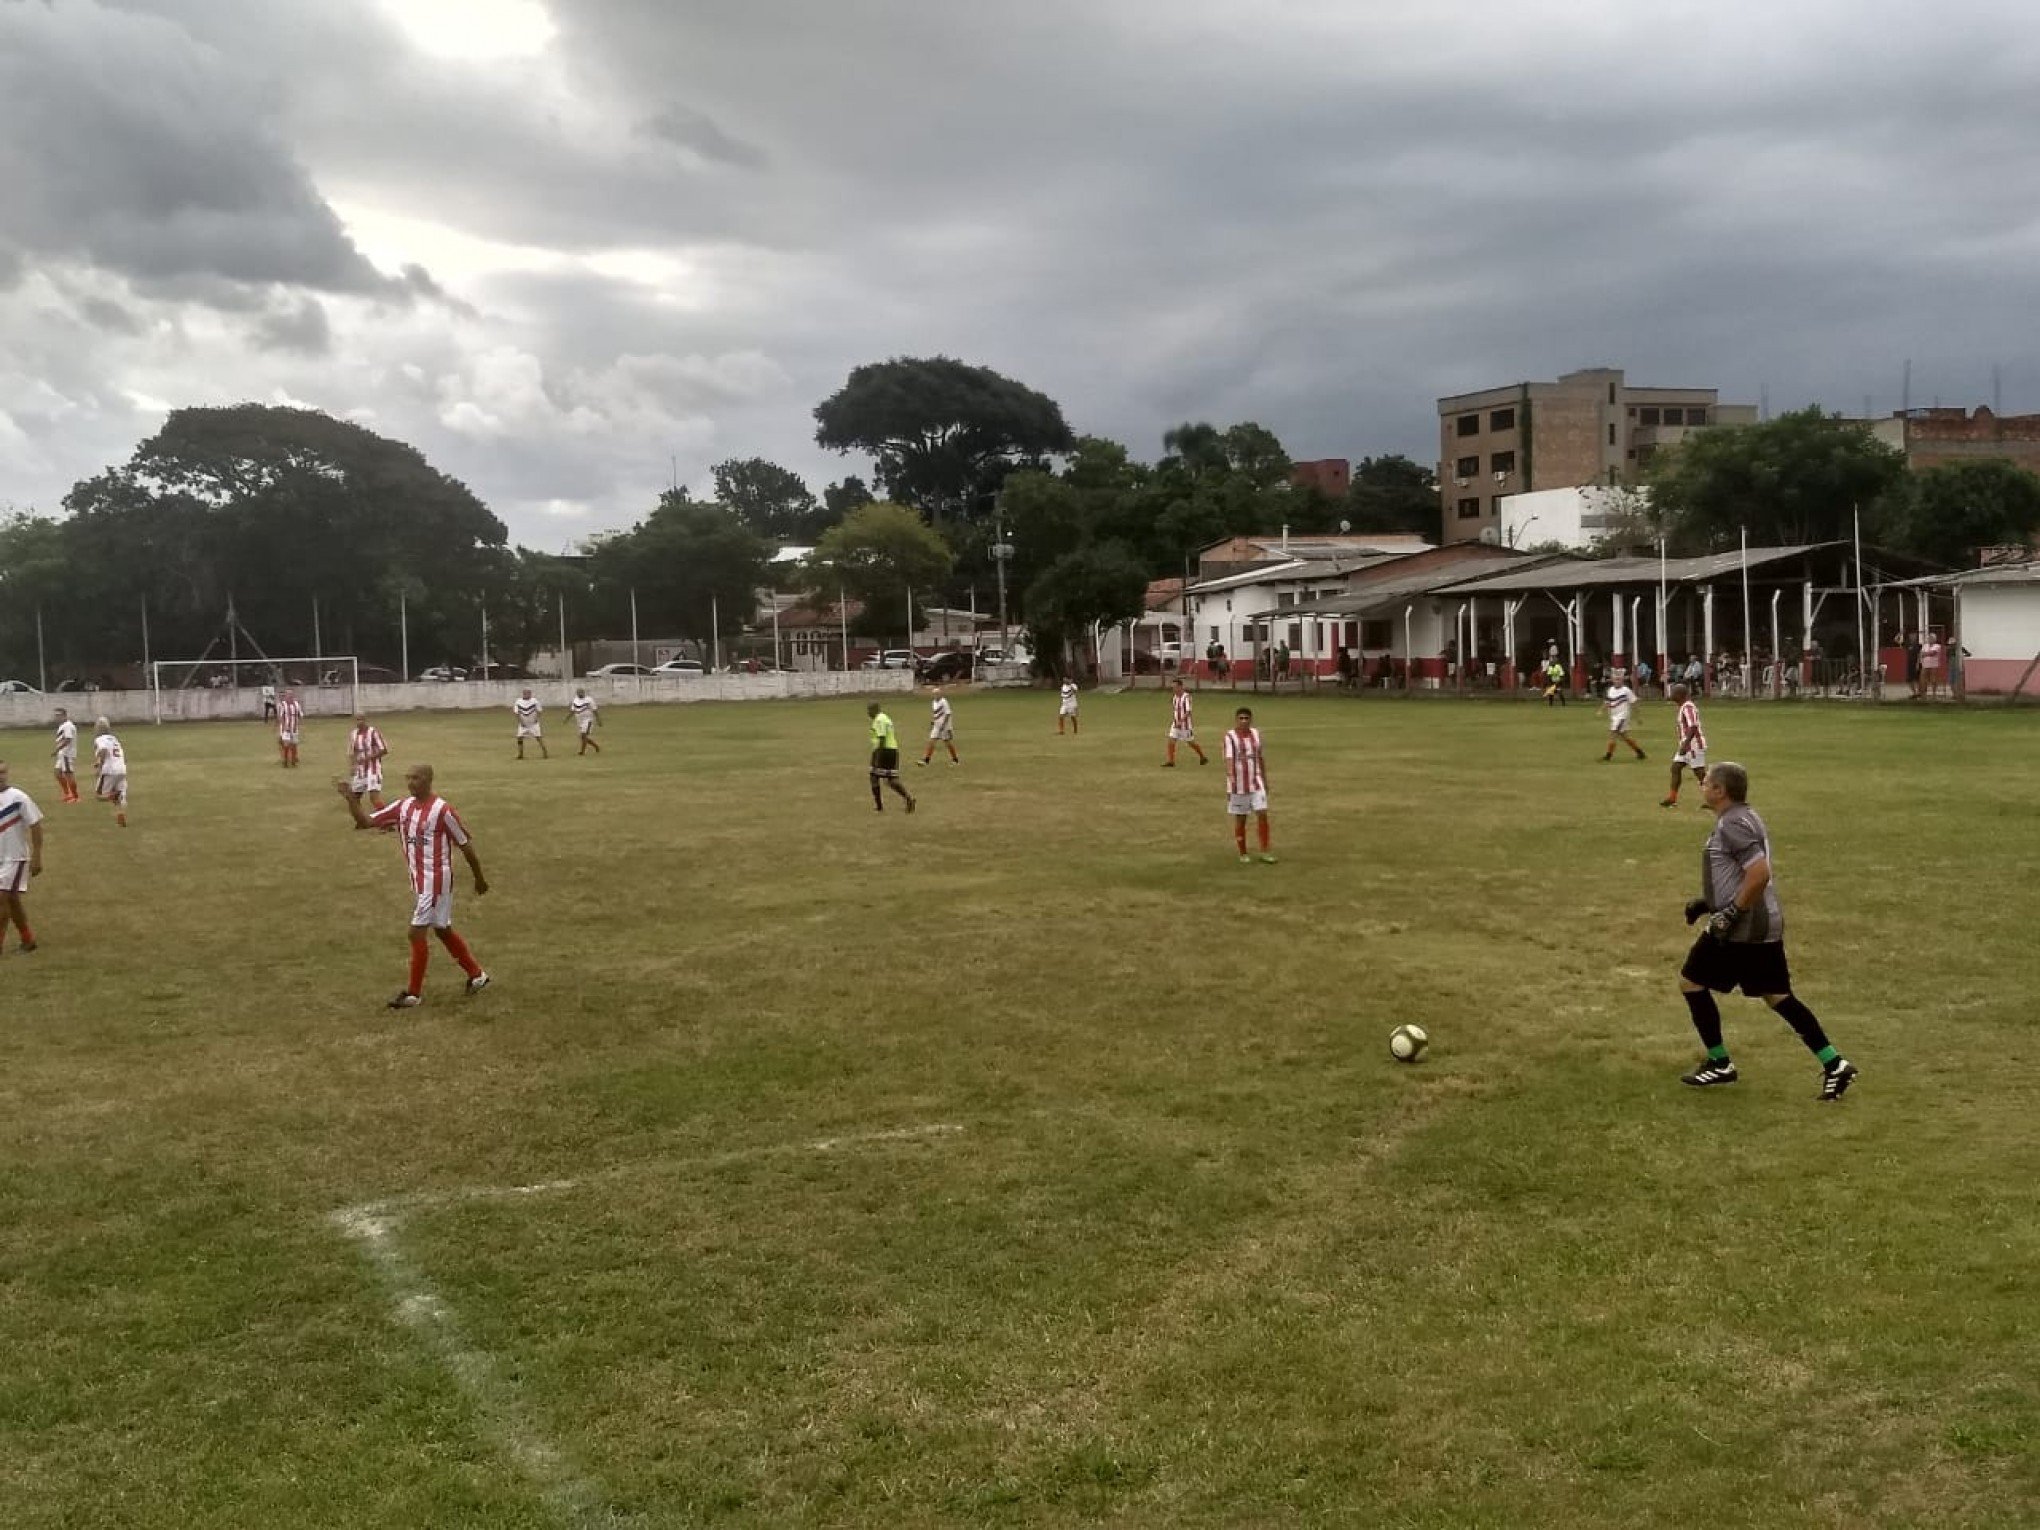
x,y
1756,967
885,762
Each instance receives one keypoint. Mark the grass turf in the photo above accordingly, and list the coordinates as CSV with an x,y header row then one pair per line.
x,y
1198,1252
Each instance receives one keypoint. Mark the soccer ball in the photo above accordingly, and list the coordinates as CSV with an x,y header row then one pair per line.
x,y
1407,1043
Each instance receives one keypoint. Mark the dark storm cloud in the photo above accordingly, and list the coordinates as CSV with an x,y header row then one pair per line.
x,y
298,326
127,143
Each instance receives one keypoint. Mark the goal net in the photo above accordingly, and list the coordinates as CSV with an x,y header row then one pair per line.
x,y
329,685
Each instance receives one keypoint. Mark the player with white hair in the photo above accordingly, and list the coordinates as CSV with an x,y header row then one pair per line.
x,y
110,760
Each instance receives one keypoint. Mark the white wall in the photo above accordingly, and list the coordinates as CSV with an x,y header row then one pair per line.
x,y
1577,517
201,705
2001,621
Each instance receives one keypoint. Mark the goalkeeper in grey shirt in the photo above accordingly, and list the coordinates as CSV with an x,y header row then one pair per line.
x,y
1743,943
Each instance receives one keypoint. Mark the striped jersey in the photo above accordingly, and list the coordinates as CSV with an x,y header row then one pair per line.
x,y
18,814
289,713
938,710
1069,695
106,751
431,831
583,708
1179,711
527,709
1691,739
1243,772
365,747
67,737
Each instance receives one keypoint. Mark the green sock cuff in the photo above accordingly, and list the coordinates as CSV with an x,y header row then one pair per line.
x,y
1827,1054
1717,1054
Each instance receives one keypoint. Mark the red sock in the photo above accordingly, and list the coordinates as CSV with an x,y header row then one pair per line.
x,y
458,950
27,935
420,955
1262,825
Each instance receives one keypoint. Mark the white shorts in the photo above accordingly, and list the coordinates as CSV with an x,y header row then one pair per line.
x,y
1069,709
586,726
434,909
67,762
13,876
1183,735
1619,723
942,733
528,730
1239,804
286,738
369,780
1697,760
112,788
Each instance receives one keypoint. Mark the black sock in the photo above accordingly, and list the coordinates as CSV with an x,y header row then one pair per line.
x,y
1801,1019
1706,1020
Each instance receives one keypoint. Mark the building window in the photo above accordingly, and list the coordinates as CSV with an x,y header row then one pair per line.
x,y
1611,393
1469,509
1501,419
1502,462
1285,600
1466,467
1696,416
1376,635
1649,416
1469,424
1611,433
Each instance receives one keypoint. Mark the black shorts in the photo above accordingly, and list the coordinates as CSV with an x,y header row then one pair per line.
x,y
1756,967
885,762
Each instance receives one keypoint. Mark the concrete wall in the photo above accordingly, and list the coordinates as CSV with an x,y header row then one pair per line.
x,y
2001,630
133,707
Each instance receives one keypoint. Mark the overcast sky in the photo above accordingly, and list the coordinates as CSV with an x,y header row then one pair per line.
x,y
568,247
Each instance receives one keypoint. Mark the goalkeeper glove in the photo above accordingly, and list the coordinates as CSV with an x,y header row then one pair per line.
x,y
1722,920
1696,910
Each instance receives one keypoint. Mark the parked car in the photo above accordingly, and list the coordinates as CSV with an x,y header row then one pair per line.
x,y
952,664
1175,655
896,658
442,673
17,688
684,668
617,671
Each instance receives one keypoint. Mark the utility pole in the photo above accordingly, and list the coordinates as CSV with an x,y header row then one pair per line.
x,y
1001,551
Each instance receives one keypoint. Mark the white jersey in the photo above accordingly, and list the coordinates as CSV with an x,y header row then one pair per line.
x,y
940,723
1620,700
106,750
584,710
528,712
67,744
18,814
1069,698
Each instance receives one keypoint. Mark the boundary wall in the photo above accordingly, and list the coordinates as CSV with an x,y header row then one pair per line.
x,y
129,708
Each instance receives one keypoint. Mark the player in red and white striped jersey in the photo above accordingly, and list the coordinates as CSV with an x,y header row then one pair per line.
x,y
431,832
1246,782
290,716
1692,751
365,752
1181,730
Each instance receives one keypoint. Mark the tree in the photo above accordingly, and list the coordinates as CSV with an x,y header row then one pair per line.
x,y
1101,583
1393,494
1948,513
878,554
690,565
1793,480
942,434
770,500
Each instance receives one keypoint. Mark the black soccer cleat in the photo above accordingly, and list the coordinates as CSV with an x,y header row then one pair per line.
x,y
1710,1073
404,999
477,983
1835,1082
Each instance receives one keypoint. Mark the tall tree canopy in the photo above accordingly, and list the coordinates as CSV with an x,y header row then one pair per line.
x,y
1393,493
942,434
693,567
1948,513
771,500
878,554
279,509
1798,478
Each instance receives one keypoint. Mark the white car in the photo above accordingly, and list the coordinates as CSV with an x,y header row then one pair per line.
x,y
17,688
684,668
617,671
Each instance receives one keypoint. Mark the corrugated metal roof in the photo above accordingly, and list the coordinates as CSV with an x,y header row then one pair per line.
x,y
1597,573
1996,573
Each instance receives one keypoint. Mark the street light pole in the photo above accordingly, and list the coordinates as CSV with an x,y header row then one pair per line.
x,y
1001,551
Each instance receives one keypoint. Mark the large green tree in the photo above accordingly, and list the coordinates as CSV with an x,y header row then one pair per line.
x,y
694,567
1796,479
1950,512
879,554
771,500
942,434
1393,494
1100,583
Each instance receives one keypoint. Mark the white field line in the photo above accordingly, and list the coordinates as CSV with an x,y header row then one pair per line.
x,y
376,1225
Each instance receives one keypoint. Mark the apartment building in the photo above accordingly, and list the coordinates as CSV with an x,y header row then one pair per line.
x,y
1587,427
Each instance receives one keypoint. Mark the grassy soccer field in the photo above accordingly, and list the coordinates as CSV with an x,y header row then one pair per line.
x,y
1028,1160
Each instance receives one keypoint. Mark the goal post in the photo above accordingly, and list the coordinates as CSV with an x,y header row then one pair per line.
x,y
326,683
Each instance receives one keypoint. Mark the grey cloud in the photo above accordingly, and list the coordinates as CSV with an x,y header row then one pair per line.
x,y
299,326
699,133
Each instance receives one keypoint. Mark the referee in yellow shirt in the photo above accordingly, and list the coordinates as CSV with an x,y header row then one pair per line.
x,y
885,758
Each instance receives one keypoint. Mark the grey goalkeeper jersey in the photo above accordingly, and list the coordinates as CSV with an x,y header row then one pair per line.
x,y
1740,839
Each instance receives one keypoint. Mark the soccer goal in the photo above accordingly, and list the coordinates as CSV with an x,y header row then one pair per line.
x,y
328,684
